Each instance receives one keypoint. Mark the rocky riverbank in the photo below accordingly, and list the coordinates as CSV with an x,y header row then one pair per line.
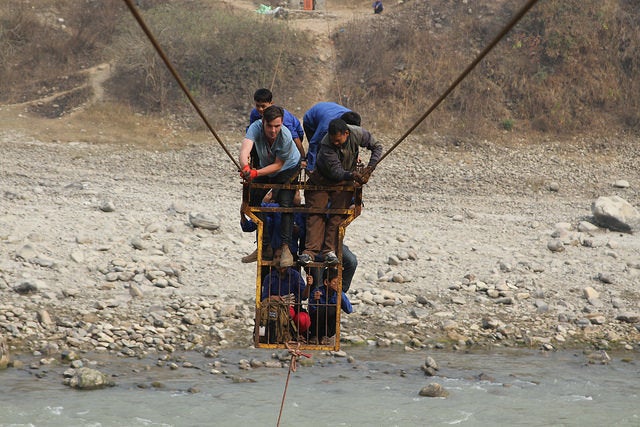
x,y
132,251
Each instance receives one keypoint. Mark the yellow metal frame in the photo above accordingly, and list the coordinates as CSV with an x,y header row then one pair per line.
x,y
251,211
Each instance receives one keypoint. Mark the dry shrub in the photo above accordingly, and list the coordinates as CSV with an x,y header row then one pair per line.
x,y
568,67
221,55
50,39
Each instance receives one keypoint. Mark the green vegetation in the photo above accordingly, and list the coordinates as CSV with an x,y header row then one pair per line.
x,y
507,124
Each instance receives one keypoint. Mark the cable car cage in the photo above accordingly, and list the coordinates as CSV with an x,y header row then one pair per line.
x,y
268,333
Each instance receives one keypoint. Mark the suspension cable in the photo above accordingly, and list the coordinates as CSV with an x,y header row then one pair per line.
x,y
175,74
464,74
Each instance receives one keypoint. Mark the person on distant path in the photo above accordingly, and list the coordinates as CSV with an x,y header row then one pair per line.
x,y
316,122
337,160
263,98
279,163
377,7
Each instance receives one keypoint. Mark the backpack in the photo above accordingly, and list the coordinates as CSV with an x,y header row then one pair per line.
x,y
279,328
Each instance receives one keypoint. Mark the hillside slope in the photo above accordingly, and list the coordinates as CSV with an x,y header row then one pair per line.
x,y
567,69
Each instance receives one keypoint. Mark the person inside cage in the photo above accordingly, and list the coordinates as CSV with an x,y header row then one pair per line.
x,y
284,281
323,305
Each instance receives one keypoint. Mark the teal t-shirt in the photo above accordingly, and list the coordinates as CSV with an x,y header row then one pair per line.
x,y
282,148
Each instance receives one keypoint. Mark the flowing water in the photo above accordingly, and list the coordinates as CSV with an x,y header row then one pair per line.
x,y
378,388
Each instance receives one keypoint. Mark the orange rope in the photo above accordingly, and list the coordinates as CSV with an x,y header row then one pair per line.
x,y
295,355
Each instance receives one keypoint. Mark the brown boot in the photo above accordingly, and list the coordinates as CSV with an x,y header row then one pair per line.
x,y
286,259
252,257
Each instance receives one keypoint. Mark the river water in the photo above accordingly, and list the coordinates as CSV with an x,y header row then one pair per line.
x,y
377,388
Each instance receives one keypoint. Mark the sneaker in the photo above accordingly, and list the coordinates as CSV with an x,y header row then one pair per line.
x,y
252,257
331,259
304,259
286,259
267,252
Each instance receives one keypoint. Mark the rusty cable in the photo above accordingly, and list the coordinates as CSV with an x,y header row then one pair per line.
x,y
464,74
176,76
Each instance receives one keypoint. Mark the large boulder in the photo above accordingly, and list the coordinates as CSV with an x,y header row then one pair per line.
x,y
616,214
88,379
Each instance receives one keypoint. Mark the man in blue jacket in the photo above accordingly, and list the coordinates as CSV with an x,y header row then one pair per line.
x,y
316,123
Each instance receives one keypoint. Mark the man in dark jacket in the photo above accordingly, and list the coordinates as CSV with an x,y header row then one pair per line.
x,y
336,166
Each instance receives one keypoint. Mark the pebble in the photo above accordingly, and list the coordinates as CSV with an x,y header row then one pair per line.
x,y
555,245
107,206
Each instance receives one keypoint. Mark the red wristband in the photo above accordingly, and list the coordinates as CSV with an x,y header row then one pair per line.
x,y
246,168
253,173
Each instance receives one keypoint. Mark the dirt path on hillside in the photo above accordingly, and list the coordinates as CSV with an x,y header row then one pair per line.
x,y
320,24
35,114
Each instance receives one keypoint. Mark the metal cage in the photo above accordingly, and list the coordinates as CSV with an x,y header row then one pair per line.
x,y
264,334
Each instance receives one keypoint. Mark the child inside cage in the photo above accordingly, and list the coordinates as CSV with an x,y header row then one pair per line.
x,y
323,308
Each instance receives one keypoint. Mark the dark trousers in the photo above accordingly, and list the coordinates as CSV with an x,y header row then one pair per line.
x,y
349,265
283,197
323,322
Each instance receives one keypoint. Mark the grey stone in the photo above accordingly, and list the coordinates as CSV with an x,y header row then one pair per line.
x,y
434,390
590,293
107,206
616,214
628,317
555,245
26,287
89,379
199,220
621,183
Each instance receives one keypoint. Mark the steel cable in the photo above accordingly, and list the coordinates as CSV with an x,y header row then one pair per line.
x,y
464,74
176,76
